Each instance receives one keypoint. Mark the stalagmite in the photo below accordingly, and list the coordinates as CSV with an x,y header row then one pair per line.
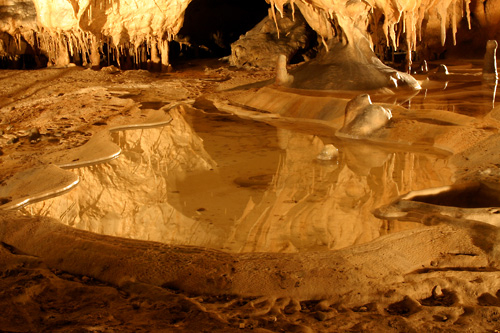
x,y
282,76
142,55
355,104
261,46
207,192
424,68
155,56
165,63
62,56
362,118
443,70
95,57
490,61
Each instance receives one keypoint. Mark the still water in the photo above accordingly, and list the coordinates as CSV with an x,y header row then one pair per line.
x,y
216,180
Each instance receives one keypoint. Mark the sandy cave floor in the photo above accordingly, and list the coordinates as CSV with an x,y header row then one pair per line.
x,y
442,277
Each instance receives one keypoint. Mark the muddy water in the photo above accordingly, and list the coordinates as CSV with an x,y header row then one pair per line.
x,y
300,203
470,98
463,91
269,192
242,185
273,194
246,154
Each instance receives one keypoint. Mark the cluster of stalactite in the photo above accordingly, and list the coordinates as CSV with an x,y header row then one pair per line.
x,y
136,33
84,49
127,34
400,24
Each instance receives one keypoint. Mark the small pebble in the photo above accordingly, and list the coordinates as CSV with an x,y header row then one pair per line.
x,y
437,291
323,306
321,316
13,140
292,308
34,134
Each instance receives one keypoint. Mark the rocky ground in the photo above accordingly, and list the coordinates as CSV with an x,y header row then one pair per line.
x,y
442,277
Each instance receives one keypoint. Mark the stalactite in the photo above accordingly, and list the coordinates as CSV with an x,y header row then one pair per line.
x,y
467,10
273,12
118,56
330,18
454,23
62,55
135,53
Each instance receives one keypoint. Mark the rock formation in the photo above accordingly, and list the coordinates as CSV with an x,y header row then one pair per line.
x,y
262,45
126,32
87,31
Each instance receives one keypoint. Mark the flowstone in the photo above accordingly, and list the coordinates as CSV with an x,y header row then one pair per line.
x,y
351,66
261,46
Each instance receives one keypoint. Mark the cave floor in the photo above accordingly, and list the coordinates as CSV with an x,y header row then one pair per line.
x,y
234,224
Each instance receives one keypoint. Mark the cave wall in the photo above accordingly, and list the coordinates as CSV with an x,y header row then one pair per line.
x,y
136,33
87,31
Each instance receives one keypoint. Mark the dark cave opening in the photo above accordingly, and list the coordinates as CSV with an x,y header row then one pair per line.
x,y
26,58
211,26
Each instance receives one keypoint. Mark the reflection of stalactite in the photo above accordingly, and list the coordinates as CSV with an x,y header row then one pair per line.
x,y
104,202
314,205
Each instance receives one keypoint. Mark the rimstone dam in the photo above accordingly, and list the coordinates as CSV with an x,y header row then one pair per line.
x,y
249,166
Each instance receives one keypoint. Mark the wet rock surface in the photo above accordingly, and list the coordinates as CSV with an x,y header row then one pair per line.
x,y
430,272
261,46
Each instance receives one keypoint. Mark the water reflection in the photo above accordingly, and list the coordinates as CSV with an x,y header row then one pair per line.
x,y
469,95
316,205
239,185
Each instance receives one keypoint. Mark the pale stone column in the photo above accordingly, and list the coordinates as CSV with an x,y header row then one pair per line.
x,y
155,56
142,56
62,55
282,76
95,57
165,65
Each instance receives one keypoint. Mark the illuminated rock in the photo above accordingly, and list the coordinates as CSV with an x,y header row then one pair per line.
x,y
139,32
363,118
261,46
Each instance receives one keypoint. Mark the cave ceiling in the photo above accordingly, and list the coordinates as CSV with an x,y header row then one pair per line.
x,y
64,29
